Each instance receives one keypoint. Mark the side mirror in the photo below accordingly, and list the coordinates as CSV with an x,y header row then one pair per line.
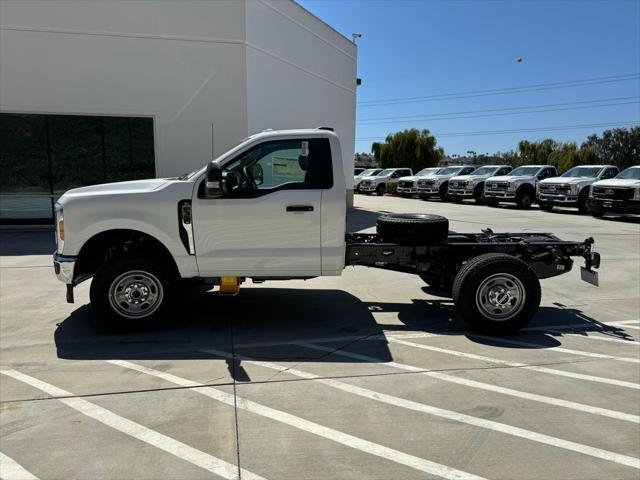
x,y
213,185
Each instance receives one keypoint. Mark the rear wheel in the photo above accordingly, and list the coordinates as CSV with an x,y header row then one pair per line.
x,y
131,294
496,293
413,229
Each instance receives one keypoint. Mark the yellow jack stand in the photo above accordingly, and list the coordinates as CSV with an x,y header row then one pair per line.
x,y
229,285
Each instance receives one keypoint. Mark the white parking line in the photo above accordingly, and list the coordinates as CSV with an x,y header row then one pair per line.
x,y
605,412
569,351
137,431
342,438
12,470
451,415
551,371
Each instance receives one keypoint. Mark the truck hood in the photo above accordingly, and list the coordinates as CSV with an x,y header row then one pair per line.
x,y
620,182
510,178
471,178
375,177
567,180
134,186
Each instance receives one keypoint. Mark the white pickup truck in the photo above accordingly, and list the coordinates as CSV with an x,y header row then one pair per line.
x,y
436,185
518,187
273,208
571,189
378,183
616,195
471,186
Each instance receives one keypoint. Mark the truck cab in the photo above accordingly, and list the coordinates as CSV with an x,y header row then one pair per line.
x,y
377,183
518,187
571,189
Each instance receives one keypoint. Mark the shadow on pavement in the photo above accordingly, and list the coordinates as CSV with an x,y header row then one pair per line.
x,y
266,323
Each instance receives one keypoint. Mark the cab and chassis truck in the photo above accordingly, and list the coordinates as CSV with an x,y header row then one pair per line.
x,y
273,208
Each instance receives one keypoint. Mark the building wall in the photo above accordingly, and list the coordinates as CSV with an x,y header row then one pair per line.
x,y
300,74
209,73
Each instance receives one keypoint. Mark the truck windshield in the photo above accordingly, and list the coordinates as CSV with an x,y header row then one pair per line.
x,y
370,172
486,171
425,172
582,172
449,171
525,171
630,173
386,172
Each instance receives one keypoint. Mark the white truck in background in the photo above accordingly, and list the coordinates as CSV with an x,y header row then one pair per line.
x,y
619,195
518,187
369,172
571,189
471,186
273,208
377,183
437,185
408,186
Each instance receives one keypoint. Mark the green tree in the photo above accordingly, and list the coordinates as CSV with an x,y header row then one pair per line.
x,y
619,146
412,148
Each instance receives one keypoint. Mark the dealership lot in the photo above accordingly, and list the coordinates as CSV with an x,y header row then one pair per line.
x,y
369,375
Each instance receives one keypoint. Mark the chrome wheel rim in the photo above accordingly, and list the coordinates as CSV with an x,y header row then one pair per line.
x,y
136,294
500,297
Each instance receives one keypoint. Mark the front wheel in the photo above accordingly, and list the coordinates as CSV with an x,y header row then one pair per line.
x,y
496,293
380,190
524,199
131,294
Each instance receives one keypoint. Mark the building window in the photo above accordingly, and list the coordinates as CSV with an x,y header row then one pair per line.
x,y
42,156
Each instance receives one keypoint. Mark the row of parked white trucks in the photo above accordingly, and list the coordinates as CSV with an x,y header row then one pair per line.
x,y
597,189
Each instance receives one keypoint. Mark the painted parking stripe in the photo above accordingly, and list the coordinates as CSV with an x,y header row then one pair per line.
x,y
450,415
342,438
12,470
605,412
569,351
551,371
135,430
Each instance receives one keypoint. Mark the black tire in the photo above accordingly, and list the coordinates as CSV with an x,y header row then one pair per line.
x,y
380,189
413,229
583,201
597,214
476,277
525,198
442,192
143,273
478,194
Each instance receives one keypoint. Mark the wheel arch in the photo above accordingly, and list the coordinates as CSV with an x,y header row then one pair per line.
x,y
119,242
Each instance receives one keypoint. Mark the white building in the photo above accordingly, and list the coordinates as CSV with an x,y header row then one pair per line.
x,y
185,80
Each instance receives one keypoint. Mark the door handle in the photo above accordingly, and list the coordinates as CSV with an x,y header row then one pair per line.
x,y
299,208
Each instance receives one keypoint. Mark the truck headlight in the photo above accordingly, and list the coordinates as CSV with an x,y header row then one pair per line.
x,y
573,189
436,183
591,191
59,228
636,193
513,187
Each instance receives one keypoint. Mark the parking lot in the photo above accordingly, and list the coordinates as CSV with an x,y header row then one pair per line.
x,y
368,375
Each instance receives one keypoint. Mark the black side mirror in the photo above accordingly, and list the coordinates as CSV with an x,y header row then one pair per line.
x,y
213,185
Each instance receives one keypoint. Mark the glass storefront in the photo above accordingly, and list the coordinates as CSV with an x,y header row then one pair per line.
x,y
42,156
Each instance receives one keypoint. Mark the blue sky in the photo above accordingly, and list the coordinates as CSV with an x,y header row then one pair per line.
x,y
422,48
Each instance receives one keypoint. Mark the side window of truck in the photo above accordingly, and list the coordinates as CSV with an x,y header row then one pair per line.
x,y
503,171
282,165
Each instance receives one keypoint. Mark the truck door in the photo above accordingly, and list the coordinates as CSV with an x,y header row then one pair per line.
x,y
268,221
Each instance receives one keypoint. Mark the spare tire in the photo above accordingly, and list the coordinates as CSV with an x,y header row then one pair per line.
x,y
413,228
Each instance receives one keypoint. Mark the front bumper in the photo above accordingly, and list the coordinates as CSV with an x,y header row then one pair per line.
x,y
429,191
501,195
562,200
407,190
367,188
614,206
64,267
460,193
